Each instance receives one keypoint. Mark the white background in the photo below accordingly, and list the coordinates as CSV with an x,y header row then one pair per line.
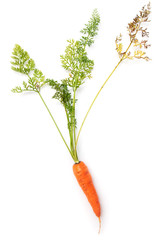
x,y
123,141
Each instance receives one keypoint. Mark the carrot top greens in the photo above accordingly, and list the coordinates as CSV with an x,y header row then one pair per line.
x,y
79,67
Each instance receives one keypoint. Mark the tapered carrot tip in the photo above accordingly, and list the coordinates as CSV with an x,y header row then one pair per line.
x,y
99,225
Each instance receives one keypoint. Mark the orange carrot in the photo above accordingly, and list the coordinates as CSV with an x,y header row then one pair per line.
x,y
84,179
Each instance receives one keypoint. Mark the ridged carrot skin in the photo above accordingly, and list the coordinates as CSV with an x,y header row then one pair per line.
x,y
84,179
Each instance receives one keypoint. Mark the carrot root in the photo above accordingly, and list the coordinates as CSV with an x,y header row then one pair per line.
x,y
99,225
84,179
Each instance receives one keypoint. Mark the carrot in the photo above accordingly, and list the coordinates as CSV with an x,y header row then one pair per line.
x,y
75,60
84,179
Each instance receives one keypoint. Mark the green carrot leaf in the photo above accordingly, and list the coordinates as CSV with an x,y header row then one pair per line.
x,y
21,61
91,29
63,95
24,64
75,59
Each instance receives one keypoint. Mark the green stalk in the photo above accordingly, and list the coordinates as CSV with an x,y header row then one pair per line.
x,y
74,132
73,126
55,124
68,121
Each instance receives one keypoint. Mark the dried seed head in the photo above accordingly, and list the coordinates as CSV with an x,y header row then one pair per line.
x,y
136,28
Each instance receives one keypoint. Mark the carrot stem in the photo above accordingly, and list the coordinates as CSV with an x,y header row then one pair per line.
x,y
99,93
94,101
55,124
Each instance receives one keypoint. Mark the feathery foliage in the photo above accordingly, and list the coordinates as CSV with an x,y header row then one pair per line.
x,y
75,59
90,30
138,36
63,95
24,64
79,67
76,62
